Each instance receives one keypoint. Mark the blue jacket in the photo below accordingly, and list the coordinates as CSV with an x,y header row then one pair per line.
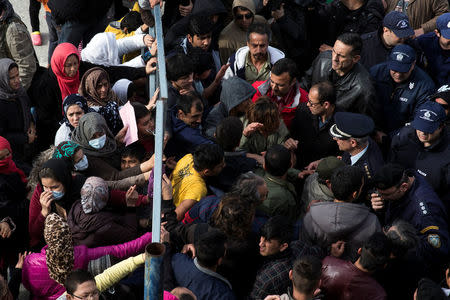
x,y
421,207
438,64
204,283
433,163
184,139
398,102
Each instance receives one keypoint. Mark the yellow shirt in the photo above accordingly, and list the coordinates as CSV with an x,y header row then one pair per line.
x,y
187,182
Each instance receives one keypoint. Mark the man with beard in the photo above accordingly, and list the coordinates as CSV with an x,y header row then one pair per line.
x,y
185,123
254,61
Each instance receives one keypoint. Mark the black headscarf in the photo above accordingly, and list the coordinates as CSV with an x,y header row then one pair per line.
x,y
73,99
72,184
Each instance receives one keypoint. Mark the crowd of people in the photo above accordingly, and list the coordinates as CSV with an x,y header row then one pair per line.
x,y
306,149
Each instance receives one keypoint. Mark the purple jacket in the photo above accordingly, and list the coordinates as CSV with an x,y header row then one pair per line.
x,y
35,275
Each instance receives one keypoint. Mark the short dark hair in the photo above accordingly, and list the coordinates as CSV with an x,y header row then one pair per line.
x,y
375,252
12,66
277,228
326,92
136,150
241,8
210,247
306,274
403,237
259,28
140,110
177,66
207,156
132,20
147,17
186,101
345,181
199,25
202,60
285,65
76,278
353,40
277,160
229,133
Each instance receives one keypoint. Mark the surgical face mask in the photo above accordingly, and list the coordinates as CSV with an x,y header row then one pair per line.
x,y
98,143
82,164
57,195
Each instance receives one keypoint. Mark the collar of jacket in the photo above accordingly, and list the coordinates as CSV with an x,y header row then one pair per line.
x,y
211,273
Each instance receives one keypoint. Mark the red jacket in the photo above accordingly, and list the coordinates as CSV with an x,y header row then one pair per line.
x,y
287,110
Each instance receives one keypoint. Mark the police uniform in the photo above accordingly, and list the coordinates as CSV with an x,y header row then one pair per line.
x,y
352,125
421,207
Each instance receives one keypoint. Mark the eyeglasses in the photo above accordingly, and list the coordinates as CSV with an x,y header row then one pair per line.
x,y
314,104
93,295
247,16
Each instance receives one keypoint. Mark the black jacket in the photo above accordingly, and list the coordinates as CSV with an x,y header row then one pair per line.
x,y
79,10
338,19
354,90
373,50
313,142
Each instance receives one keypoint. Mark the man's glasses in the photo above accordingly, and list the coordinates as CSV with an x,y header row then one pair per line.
x,y
247,16
93,295
314,104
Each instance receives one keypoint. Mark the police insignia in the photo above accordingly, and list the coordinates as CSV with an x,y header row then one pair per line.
x,y
434,240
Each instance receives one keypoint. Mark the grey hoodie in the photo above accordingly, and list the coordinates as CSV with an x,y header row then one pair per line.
x,y
234,91
328,222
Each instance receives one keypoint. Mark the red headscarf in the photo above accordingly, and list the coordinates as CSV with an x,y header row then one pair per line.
x,y
7,166
67,85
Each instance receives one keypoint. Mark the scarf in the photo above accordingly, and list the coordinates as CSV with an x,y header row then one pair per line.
x,y
59,254
88,87
8,94
120,88
67,85
7,165
74,99
102,49
66,150
89,124
94,195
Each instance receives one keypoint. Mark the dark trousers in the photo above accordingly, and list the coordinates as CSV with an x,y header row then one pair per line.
x,y
53,31
34,8
74,32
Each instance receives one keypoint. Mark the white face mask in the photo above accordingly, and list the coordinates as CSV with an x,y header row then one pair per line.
x,y
98,143
82,164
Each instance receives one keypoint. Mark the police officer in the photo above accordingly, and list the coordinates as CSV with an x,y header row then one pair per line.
x,y
401,194
401,88
425,147
351,133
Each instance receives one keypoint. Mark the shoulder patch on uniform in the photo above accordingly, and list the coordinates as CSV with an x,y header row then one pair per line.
x,y
429,228
434,240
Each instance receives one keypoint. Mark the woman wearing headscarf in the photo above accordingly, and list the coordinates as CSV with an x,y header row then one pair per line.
x,y
13,204
15,117
44,273
96,88
93,224
56,192
99,145
74,107
62,79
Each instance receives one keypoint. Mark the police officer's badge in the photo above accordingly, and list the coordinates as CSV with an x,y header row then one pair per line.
x,y
434,240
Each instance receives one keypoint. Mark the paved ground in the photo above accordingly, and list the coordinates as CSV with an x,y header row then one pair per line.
x,y
21,8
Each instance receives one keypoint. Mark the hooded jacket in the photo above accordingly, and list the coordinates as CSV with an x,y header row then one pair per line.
x,y
354,90
234,91
232,36
328,222
35,276
15,43
237,61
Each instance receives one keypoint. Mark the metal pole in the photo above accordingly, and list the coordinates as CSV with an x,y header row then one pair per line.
x,y
154,254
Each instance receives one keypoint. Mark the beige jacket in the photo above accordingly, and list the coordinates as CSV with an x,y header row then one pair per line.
x,y
232,36
422,13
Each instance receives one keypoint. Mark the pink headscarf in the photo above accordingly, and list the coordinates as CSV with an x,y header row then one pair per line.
x,y
67,85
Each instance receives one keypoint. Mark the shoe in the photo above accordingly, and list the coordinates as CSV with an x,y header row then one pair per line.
x,y
36,38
